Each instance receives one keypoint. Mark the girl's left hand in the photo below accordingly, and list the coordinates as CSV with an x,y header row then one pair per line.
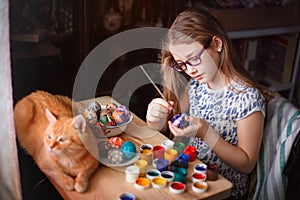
x,y
197,128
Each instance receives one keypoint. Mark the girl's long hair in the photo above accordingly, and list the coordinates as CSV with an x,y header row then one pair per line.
x,y
199,25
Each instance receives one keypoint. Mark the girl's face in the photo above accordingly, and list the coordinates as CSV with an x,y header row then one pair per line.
x,y
205,72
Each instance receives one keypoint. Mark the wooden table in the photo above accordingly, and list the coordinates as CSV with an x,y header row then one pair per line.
x,y
108,183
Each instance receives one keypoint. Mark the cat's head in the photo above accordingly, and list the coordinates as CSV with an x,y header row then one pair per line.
x,y
62,134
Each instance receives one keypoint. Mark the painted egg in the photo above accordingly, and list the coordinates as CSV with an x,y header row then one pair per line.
x,y
179,120
107,120
90,116
121,114
111,107
115,156
129,149
116,142
96,107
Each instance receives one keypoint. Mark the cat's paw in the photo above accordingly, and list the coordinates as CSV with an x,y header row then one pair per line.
x,y
81,186
68,184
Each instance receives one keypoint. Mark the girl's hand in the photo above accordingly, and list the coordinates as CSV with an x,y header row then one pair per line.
x,y
197,128
157,113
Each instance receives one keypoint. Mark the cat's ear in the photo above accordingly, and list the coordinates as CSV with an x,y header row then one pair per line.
x,y
51,118
79,123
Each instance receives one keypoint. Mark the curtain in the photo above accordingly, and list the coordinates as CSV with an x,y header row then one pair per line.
x,y
10,188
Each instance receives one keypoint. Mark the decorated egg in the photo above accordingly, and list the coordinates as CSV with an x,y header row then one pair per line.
x,y
129,149
116,142
96,107
90,116
115,156
111,107
107,120
179,120
121,114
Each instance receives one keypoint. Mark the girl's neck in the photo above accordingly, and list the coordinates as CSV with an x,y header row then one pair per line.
x,y
218,82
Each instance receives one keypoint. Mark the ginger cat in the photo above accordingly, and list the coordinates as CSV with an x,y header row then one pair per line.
x,y
47,130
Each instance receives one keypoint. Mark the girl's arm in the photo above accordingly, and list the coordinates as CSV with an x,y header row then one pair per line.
x,y
242,157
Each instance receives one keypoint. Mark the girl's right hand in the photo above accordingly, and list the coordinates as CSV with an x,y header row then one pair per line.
x,y
157,113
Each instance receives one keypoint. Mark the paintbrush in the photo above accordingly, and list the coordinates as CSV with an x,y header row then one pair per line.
x,y
155,86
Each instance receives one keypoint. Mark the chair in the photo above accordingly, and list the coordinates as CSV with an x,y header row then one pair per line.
x,y
281,129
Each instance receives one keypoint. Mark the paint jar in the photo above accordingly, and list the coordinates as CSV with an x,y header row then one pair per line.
x,y
152,173
132,173
168,175
146,154
161,164
142,183
146,146
167,144
179,147
170,155
212,172
180,175
127,196
181,161
200,167
191,151
142,164
199,186
158,152
198,176
177,187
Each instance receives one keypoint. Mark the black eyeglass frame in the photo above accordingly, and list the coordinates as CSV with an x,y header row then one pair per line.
x,y
181,66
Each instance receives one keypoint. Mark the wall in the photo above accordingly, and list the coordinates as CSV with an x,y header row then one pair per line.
x,y
10,188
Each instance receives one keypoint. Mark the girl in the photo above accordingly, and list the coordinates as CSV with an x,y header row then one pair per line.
x,y
225,105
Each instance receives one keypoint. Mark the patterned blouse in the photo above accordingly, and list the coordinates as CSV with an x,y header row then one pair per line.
x,y
222,109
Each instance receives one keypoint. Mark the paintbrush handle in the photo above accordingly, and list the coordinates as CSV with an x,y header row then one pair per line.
x,y
158,90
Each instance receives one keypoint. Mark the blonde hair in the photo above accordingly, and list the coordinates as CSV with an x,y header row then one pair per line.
x,y
199,26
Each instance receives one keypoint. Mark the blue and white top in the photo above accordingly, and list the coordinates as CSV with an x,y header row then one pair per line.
x,y
222,109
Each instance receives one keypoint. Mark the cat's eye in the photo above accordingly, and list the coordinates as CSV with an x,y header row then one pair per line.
x,y
62,139
49,137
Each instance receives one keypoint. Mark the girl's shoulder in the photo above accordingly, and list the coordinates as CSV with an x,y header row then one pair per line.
x,y
242,89
248,99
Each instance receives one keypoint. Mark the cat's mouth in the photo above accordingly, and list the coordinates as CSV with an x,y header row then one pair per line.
x,y
52,151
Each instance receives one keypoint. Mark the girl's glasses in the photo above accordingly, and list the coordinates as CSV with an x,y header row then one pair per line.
x,y
193,61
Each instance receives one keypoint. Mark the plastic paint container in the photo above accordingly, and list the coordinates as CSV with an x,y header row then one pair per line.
x,y
152,173
198,176
142,183
159,182
127,196
200,168
177,187
168,175
199,186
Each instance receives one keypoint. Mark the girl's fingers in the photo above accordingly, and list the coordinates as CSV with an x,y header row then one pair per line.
x,y
167,104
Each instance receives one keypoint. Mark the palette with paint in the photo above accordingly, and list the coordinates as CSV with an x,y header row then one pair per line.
x,y
116,152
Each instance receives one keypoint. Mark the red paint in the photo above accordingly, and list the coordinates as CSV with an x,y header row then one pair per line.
x,y
178,186
199,176
191,151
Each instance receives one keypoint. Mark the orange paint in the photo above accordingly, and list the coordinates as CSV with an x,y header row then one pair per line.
x,y
200,185
143,181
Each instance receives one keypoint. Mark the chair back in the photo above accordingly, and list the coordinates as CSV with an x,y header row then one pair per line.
x,y
281,129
